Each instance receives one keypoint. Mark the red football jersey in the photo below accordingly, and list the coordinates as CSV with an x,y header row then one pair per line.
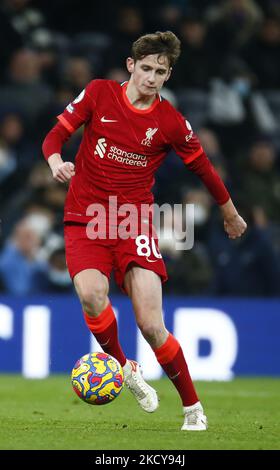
x,y
122,146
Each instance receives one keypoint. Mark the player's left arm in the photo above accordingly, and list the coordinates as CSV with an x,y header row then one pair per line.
x,y
188,147
234,224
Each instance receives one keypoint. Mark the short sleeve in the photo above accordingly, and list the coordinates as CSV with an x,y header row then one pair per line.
x,y
81,109
184,140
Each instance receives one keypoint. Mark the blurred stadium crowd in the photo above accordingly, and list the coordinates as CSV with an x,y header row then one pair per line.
x,y
227,83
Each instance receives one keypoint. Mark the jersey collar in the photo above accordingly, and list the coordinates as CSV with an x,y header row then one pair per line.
x,y
131,107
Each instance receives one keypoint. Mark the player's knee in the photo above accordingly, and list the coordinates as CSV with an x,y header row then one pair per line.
x,y
93,299
152,332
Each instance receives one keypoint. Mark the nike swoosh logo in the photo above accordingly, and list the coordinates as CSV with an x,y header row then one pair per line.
x,y
175,376
151,260
105,344
103,119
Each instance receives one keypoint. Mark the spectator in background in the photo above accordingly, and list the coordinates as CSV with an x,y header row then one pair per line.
x,y
165,16
118,74
12,40
24,89
263,52
270,7
20,268
236,109
129,25
261,183
247,267
210,142
14,134
77,73
50,53
20,23
24,18
191,274
190,270
56,277
198,61
233,22
40,192
63,94
202,211
17,153
8,162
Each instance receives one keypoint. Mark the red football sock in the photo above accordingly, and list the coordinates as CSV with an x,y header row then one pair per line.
x,y
105,329
171,358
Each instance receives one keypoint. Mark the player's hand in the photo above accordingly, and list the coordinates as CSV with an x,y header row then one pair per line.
x,y
235,226
63,172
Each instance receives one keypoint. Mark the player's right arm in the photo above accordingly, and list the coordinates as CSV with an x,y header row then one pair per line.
x,y
52,146
61,171
75,114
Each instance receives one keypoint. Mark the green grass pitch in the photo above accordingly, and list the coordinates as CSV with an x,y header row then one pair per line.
x,y
46,414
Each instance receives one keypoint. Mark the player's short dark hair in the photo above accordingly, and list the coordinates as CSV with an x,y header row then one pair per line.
x,y
163,43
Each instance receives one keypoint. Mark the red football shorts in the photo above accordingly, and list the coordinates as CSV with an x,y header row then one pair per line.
x,y
106,255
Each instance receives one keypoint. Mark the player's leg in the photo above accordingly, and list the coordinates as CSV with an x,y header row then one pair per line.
x,y
90,263
144,289
92,288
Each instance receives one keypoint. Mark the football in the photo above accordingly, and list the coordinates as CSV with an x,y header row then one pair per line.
x,y
97,378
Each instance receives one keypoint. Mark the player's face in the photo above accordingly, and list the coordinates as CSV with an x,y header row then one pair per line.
x,y
149,74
